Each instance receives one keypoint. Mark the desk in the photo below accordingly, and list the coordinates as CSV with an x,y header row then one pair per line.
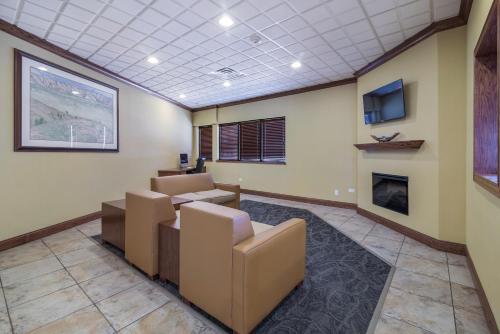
x,y
177,171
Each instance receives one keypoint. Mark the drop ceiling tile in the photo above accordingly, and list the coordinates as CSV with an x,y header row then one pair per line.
x,y
10,3
38,11
350,16
241,31
107,24
244,11
131,7
142,26
374,7
94,6
8,14
99,33
280,12
86,38
206,9
71,23
60,40
390,16
164,36
387,29
260,22
301,5
446,11
117,15
414,8
326,25
417,20
78,13
168,7
154,17
175,28
341,6
34,22
49,4
190,19
304,33
274,31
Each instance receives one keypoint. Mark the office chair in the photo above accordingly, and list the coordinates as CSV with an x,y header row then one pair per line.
x,y
200,163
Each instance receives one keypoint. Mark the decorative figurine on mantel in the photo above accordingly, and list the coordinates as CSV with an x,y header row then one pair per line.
x,y
384,139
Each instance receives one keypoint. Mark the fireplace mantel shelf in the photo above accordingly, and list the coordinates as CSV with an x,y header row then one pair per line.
x,y
392,145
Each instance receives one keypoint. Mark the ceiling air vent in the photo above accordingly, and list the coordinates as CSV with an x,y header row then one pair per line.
x,y
227,73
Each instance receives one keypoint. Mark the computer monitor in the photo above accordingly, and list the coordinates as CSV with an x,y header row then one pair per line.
x,y
184,159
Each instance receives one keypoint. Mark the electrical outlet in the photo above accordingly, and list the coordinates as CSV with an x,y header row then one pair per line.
x,y
336,192
352,190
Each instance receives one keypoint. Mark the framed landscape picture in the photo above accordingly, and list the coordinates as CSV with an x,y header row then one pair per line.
x,y
56,109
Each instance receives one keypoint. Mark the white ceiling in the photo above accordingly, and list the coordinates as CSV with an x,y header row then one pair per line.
x,y
332,39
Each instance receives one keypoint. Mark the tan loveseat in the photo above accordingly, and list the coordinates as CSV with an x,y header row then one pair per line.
x,y
198,187
233,273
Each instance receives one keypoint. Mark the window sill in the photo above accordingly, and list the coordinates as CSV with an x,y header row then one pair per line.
x,y
488,182
255,162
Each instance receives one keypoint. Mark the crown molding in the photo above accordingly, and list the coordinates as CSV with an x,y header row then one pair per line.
x,y
35,40
280,94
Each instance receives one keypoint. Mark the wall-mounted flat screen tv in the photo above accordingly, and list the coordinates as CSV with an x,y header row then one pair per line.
x,y
385,103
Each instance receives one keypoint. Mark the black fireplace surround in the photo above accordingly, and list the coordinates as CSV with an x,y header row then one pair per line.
x,y
390,192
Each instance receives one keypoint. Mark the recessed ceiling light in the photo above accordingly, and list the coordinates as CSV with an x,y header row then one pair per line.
x,y
296,64
153,60
182,96
41,68
75,92
227,83
226,21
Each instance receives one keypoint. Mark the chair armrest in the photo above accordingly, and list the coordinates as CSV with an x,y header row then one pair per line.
x,y
235,188
266,268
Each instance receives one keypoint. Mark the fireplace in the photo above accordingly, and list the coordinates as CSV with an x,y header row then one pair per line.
x,y
390,192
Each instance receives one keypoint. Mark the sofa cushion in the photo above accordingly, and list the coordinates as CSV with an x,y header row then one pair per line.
x,y
259,227
217,196
194,197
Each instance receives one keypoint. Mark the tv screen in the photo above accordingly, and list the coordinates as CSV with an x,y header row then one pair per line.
x,y
385,103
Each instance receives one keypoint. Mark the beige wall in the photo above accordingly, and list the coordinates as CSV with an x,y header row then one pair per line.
x,y
483,209
435,113
42,189
320,133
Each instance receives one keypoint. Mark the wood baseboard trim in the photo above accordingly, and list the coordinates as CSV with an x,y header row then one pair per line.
x,y
488,313
441,245
46,231
309,200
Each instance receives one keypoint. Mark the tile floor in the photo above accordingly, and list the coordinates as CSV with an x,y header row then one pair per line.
x,y
67,283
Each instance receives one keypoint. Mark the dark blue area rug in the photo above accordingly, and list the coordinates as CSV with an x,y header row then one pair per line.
x,y
343,283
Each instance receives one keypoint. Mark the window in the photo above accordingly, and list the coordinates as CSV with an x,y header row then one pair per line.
x,y
486,107
205,142
250,141
253,141
229,141
273,139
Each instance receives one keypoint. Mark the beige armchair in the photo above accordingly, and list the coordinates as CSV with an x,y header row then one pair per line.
x,y
198,187
233,274
145,209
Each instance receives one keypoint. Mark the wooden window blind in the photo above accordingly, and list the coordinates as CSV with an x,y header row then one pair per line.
x,y
229,141
250,141
273,139
205,142
260,140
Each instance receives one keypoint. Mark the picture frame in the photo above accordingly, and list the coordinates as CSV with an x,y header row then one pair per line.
x,y
59,110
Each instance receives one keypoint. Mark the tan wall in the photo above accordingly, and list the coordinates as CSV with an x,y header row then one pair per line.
x,y
320,133
42,189
434,105
483,209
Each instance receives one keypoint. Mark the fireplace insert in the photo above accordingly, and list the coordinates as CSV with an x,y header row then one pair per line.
x,y
390,192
